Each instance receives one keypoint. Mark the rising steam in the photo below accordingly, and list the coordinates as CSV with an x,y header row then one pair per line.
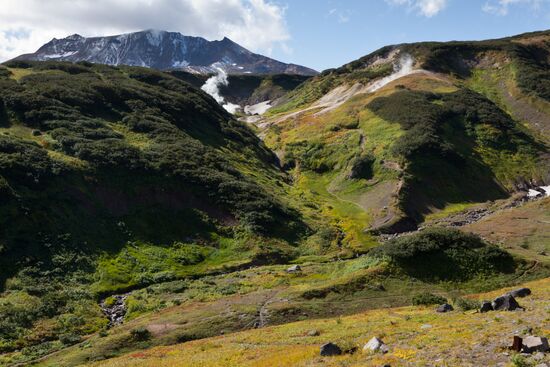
x,y
403,68
212,87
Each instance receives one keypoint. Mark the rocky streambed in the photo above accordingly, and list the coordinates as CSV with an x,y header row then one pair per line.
x,y
114,307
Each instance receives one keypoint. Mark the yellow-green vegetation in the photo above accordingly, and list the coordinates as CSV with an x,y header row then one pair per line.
x,y
449,210
130,184
18,73
138,140
185,310
417,336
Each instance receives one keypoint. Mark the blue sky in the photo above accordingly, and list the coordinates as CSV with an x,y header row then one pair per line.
x,y
316,33
327,34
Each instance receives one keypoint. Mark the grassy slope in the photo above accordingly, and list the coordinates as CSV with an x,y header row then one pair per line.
x,y
101,193
457,338
336,208
188,310
524,231
325,143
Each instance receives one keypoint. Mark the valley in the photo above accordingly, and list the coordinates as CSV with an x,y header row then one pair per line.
x,y
144,225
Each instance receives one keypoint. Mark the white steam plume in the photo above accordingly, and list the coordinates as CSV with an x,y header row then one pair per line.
x,y
403,68
212,87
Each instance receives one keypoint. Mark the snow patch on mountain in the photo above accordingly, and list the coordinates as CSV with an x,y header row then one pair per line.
x,y
57,56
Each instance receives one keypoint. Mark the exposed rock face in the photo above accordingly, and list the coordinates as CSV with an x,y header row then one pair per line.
x,y
330,349
505,303
163,50
445,308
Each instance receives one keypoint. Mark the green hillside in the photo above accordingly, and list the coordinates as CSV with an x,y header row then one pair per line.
x,y
469,125
124,186
112,179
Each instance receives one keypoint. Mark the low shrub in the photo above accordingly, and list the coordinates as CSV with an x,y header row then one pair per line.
x,y
465,304
445,254
428,299
140,334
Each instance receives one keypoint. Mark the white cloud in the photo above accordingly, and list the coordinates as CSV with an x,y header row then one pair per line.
x,y
502,7
342,16
427,8
27,24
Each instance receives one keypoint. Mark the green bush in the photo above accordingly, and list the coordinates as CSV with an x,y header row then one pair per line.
x,y
428,299
70,339
140,334
445,254
465,304
362,167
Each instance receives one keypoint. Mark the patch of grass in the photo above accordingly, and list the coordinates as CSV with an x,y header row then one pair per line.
x,y
450,333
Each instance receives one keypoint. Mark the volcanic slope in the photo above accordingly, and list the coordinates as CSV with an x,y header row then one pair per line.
x,y
414,129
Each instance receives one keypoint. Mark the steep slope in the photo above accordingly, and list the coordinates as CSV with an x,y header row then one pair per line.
x,y
163,50
411,129
116,178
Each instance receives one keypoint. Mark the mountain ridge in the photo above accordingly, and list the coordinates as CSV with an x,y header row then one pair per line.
x,y
163,50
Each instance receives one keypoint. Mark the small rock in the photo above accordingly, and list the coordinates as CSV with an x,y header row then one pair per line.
x,y
538,356
330,349
313,333
532,344
376,345
542,365
445,308
517,344
426,326
294,269
486,306
505,303
520,293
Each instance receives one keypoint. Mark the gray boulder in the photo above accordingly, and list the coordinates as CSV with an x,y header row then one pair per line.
x,y
376,345
445,308
505,303
486,306
533,344
520,293
294,269
330,349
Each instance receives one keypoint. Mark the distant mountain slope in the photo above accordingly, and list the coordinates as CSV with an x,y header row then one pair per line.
x,y
247,89
163,50
413,129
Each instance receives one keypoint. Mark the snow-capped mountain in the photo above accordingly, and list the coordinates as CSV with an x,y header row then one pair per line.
x,y
164,50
